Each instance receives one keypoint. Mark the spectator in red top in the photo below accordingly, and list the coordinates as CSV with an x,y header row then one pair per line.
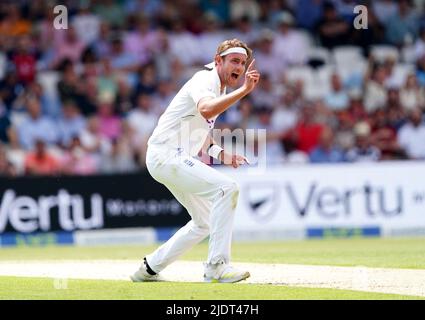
x,y
40,161
307,132
24,61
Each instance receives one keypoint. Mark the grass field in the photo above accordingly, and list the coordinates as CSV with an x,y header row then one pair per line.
x,y
373,252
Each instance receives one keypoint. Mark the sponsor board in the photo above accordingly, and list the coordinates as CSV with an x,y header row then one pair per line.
x,y
44,204
343,232
36,239
350,196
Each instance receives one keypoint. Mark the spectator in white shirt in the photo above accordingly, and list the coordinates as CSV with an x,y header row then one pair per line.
x,y
86,24
411,136
290,45
266,59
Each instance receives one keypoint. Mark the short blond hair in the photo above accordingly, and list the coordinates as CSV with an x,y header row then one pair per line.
x,y
233,43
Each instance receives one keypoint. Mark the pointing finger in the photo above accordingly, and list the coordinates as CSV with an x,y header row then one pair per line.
x,y
251,65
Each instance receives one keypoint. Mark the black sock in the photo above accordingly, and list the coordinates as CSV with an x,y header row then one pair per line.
x,y
148,269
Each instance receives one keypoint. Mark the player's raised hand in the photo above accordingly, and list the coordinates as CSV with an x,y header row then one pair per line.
x,y
252,76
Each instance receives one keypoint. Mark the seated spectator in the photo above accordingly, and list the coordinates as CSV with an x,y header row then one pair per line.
x,y
333,30
141,41
109,121
24,60
308,13
36,126
71,123
118,160
76,160
40,161
265,93
268,62
402,27
70,49
86,24
290,45
363,150
337,99
142,120
285,115
384,136
274,152
307,132
293,155
6,167
12,24
326,151
384,9
92,140
163,96
375,96
4,123
15,154
412,95
411,136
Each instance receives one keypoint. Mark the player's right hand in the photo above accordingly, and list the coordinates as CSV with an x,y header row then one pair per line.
x,y
252,77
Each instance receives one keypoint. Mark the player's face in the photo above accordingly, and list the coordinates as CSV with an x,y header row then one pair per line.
x,y
232,68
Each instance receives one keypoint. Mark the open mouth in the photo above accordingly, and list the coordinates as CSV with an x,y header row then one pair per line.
x,y
235,76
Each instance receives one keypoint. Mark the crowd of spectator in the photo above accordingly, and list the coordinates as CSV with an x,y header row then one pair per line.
x,y
85,99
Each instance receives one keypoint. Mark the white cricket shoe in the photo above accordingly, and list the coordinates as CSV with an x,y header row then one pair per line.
x,y
142,275
223,273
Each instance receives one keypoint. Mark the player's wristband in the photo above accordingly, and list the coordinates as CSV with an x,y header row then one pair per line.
x,y
214,151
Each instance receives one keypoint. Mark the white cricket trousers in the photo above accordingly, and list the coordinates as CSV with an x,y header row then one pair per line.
x,y
209,196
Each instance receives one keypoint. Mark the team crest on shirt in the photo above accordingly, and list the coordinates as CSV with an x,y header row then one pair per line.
x,y
210,123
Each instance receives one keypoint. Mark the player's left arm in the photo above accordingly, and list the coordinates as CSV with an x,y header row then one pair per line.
x,y
212,148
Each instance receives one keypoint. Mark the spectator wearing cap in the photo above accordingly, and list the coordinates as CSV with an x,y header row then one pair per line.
x,y
36,126
326,151
290,45
411,136
363,150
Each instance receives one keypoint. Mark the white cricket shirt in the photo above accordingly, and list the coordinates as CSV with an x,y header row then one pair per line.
x,y
182,125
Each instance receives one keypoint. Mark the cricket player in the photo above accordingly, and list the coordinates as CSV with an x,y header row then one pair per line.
x,y
209,196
